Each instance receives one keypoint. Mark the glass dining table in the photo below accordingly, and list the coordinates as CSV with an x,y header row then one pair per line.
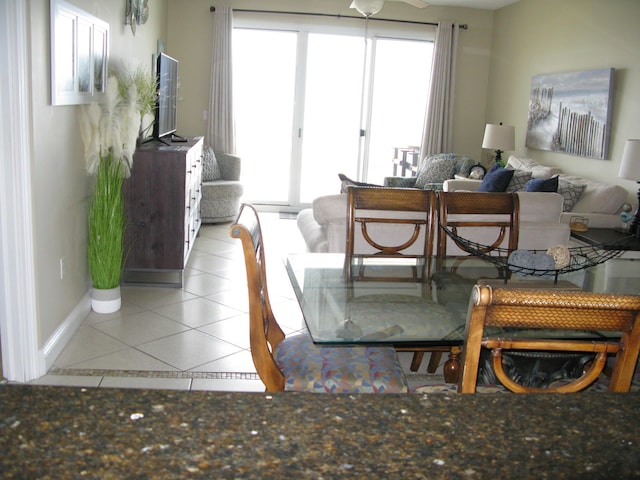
x,y
341,310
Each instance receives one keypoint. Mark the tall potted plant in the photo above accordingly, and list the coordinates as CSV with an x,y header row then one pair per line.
x,y
109,130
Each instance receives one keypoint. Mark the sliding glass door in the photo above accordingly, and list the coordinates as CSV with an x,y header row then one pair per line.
x,y
399,94
264,73
332,103
312,105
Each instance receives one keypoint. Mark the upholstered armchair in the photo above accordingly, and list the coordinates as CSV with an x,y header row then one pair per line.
x,y
433,171
221,187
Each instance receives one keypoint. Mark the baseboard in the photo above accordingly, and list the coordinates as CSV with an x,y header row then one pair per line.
x,y
63,334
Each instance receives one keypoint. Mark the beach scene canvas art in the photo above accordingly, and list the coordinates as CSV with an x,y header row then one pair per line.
x,y
571,112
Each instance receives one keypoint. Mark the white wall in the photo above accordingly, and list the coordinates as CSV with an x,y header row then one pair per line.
x,y
190,33
534,37
60,185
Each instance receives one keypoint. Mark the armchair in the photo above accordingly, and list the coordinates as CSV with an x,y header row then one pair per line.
x,y
221,187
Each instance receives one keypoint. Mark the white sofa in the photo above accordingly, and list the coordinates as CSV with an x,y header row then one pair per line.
x,y
598,202
323,226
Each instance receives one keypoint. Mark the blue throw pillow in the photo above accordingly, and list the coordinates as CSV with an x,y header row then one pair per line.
x,y
496,179
542,185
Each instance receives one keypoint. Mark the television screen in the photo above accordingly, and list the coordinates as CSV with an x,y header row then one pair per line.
x,y
166,107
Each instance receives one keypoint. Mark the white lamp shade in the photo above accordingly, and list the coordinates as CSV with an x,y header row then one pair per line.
x,y
499,137
630,164
367,7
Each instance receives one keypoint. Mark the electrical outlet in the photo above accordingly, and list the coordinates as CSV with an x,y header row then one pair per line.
x,y
62,268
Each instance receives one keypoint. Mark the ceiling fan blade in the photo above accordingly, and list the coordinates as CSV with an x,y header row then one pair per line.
x,y
416,3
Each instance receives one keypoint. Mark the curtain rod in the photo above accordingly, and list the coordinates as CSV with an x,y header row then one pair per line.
x,y
337,15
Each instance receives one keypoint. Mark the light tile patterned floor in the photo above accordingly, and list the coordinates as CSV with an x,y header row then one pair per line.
x,y
195,337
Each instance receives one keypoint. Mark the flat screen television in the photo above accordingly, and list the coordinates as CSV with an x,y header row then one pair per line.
x,y
167,103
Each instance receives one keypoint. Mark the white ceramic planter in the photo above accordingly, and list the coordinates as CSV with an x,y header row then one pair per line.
x,y
106,301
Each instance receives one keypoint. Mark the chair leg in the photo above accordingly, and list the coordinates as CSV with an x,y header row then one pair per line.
x,y
434,362
416,361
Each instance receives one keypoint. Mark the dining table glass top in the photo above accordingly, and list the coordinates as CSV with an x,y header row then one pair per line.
x,y
338,308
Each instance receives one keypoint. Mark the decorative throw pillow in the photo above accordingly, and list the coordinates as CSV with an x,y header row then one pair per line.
x,y
210,167
520,177
435,170
463,166
571,193
542,185
347,182
496,179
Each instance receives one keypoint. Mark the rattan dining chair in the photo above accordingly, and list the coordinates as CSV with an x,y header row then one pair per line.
x,y
295,363
509,309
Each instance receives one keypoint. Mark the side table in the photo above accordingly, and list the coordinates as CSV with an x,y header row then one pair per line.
x,y
609,239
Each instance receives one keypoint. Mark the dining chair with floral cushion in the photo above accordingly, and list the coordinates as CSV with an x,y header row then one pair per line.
x,y
295,363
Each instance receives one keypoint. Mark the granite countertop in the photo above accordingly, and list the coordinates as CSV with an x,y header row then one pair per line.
x,y
60,432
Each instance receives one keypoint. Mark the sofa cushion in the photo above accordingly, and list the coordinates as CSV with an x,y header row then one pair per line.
x,y
538,207
570,192
601,199
537,170
520,177
542,185
436,169
497,179
210,167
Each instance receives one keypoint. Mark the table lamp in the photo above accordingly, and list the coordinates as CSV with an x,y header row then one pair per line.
x,y
499,138
630,169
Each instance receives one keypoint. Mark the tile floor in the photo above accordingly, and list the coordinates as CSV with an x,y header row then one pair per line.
x,y
190,338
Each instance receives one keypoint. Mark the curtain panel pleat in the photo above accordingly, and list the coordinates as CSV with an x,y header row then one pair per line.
x,y
221,125
438,126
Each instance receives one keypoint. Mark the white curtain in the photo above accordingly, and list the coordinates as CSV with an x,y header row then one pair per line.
x,y
221,126
438,124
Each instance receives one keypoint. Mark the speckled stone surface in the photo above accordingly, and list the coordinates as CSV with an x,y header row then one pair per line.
x,y
59,432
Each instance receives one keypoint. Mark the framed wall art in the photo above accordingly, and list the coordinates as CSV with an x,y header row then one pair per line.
x,y
571,112
79,54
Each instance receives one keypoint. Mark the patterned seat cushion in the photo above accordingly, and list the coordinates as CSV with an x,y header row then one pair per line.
x,y
333,369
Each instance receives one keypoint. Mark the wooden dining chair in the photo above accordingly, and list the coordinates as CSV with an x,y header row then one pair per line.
x,y
459,210
370,213
295,363
509,309
412,213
